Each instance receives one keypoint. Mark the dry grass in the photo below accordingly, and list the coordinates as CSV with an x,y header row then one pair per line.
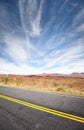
x,y
65,85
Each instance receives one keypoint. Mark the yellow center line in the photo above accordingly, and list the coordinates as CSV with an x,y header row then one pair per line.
x,y
44,109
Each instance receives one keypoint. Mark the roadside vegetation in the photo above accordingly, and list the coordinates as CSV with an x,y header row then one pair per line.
x,y
64,85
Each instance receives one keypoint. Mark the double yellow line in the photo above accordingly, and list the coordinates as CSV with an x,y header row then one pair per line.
x,y
44,109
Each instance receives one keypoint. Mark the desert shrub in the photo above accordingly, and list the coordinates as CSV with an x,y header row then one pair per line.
x,y
60,89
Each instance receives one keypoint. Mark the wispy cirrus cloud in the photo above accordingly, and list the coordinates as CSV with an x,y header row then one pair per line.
x,y
78,22
15,48
41,36
80,28
11,68
78,19
31,13
67,56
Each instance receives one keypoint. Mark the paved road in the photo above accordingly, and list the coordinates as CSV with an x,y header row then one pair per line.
x,y
18,117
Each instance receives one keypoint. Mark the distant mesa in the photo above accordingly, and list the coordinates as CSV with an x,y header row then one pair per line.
x,y
57,75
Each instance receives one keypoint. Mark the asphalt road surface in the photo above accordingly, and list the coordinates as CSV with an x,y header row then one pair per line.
x,y
14,116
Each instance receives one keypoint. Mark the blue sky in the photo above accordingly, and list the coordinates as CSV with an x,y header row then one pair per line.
x,y
41,36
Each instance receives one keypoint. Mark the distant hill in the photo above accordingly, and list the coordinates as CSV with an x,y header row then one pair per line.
x,y
75,75
79,75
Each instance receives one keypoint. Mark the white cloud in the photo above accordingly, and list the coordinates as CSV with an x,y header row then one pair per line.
x,y
36,24
68,68
67,56
11,68
80,28
15,48
60,53
77,26
31,16
79,18
61,61
55,52
21,51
